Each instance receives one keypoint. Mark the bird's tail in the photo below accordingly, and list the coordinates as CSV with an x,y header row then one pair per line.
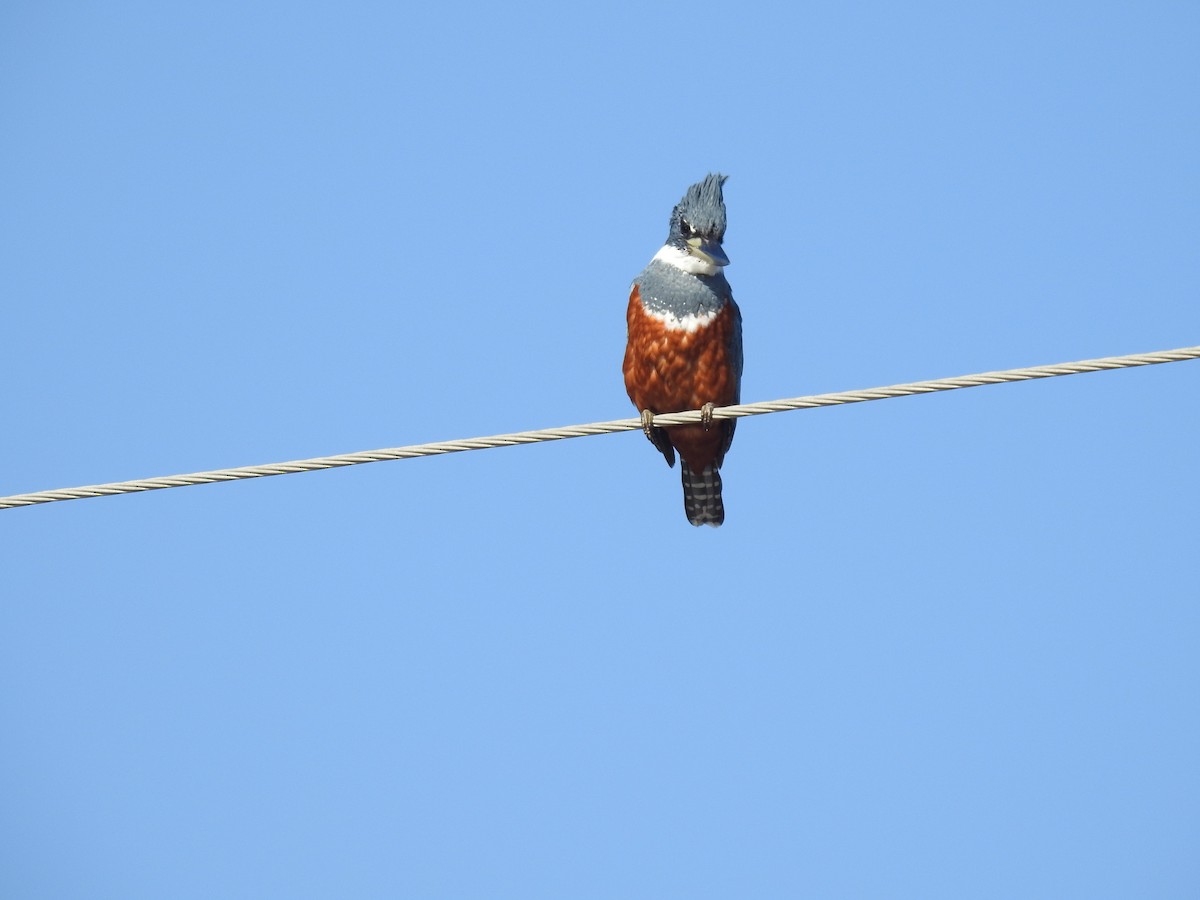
x,y
702,495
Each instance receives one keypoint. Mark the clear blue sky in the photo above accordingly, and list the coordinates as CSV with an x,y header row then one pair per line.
x,y
944,646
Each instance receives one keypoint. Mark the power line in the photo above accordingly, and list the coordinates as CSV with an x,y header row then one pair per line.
x,y
573,431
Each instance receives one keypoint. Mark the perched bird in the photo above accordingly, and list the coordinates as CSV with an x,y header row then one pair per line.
x,y
684,349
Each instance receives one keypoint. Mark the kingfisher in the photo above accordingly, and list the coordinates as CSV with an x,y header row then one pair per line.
x,y
684,346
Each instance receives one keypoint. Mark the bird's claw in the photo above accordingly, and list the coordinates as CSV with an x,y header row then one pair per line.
x,y
706,415
648,425
658,437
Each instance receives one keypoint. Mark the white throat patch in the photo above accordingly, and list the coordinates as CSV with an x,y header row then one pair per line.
x,y
681,259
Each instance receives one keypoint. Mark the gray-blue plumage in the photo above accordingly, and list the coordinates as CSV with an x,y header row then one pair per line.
x,y
665,288
701,212
685,279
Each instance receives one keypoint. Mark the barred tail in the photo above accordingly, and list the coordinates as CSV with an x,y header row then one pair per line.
x,y
702,495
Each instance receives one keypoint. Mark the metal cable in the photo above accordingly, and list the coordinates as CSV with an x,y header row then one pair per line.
x,y
573,431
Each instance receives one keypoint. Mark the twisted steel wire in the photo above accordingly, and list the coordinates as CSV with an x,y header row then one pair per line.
x,y
574,431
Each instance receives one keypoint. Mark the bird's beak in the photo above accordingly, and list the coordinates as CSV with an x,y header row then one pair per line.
x,y
709,251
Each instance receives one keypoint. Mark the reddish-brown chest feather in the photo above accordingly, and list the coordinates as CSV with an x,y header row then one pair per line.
x,y
673,369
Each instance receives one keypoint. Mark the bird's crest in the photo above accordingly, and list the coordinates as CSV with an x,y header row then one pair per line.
x,y
702,208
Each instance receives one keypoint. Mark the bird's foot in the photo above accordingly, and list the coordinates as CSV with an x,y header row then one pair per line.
x,y
648,425
706,415
658,437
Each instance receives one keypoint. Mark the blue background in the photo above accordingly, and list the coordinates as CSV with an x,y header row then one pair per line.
x,y
944,646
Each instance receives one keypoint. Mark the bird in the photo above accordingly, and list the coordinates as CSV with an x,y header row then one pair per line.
x,y
684,346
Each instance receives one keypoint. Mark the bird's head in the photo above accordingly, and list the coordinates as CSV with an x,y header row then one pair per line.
x,y
698,223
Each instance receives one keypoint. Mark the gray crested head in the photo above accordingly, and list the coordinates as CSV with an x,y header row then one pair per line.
x,y
701,211
698,222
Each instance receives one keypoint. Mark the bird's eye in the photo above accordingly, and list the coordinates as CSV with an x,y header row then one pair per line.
x,y
686,227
